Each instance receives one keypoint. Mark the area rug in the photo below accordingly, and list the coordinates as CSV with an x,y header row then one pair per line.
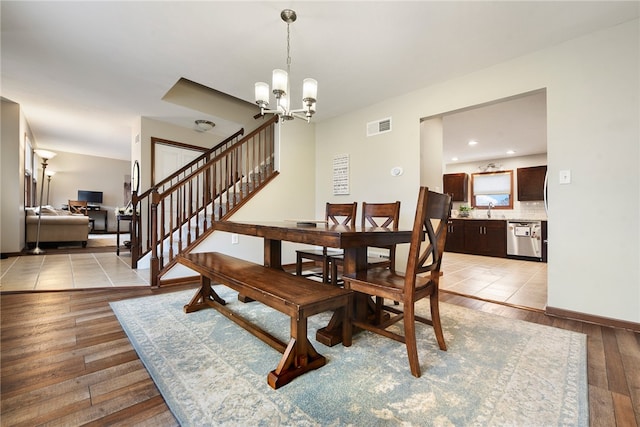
x,y
496,372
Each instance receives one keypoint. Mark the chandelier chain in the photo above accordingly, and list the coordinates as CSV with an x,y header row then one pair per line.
x,y
288,49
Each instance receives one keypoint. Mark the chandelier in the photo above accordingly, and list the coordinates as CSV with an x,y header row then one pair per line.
x,y
280,84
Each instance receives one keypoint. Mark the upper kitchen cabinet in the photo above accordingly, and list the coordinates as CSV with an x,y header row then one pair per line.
x,y
531,183
457,185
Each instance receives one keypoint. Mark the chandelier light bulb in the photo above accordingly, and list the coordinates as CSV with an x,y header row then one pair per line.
x,y
280,86
309,90
279,81
262,93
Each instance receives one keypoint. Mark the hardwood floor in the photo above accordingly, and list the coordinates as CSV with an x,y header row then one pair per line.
x,y
65,361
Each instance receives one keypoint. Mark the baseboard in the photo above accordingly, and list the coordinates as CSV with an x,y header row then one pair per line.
x,y
6,255
590,318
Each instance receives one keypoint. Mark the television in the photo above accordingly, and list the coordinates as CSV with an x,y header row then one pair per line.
x,y
91,197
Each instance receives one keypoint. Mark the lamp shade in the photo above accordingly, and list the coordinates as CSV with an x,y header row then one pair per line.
x,y
280,78
309,89
262,93
49,172
45,155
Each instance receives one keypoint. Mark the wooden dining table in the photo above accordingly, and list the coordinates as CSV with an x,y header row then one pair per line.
x,y
354,241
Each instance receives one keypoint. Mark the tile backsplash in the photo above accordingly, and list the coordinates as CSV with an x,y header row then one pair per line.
x,y
522,210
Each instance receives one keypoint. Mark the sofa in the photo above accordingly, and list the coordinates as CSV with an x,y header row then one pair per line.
x,y
56,226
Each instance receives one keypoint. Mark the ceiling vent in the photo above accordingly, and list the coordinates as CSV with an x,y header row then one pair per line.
x,y
379,126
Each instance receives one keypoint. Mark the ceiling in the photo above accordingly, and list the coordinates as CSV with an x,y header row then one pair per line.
x,y
84,72
509,127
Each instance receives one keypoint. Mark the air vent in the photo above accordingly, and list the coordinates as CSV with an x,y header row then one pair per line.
x,y
379,126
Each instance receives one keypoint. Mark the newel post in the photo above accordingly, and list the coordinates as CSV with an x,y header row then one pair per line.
x,y
155,261
135,230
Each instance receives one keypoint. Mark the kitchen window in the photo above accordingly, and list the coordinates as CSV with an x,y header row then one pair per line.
x,y
492,188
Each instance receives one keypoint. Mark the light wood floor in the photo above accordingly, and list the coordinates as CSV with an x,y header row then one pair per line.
x,y
66,361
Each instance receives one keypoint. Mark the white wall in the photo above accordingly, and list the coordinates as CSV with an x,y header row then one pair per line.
x,y
80,172
12,182
593,110
150,128
73,172
431,148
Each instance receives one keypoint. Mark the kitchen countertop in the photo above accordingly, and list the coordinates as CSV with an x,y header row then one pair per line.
x,y
500,219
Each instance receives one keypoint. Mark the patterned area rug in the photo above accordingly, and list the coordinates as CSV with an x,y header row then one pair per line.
x,y
496,371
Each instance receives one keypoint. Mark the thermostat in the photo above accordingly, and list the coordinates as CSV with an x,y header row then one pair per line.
x,y
397,171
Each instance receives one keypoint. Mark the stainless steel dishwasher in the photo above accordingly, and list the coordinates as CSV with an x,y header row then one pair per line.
x,y
524,239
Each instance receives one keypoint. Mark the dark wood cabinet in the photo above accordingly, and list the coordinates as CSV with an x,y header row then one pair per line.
x,y
485,237
455,236
456,184
531,183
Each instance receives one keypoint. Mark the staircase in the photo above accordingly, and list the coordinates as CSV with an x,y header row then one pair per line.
x,y
178,213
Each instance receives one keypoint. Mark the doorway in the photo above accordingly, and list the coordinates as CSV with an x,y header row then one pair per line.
x,y
503,134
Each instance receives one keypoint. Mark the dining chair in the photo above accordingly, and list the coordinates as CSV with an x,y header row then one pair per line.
x,y
384,215
335,214
421,278
80,207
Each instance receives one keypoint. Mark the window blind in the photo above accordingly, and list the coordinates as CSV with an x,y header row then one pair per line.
x,y
498,183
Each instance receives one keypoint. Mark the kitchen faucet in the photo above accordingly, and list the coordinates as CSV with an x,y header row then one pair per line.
x,y
489,210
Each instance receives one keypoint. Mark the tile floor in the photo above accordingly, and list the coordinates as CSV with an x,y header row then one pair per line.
x,y
69,271
520,283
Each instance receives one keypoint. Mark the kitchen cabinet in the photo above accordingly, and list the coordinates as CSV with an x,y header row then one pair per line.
x,y
531,183
485,237
455,236
456,184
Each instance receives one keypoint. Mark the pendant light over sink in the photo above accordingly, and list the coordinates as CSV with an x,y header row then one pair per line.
x,y
281,88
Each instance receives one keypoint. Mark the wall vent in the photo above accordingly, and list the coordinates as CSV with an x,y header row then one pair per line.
x,y
379,126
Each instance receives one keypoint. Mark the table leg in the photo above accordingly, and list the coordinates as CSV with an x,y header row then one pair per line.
x,y
273,253
355,259
118,236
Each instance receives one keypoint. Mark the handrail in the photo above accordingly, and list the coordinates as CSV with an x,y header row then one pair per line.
x,y
168,219
203,157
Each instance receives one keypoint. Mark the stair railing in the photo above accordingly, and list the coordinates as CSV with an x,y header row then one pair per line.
x,y
140,221
181,215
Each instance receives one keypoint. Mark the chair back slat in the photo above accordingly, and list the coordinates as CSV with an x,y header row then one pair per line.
x,y
341,213
380,215
78,207
427,242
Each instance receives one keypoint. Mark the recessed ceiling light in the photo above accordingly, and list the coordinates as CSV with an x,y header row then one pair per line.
x,y
454,159
473,142
511,152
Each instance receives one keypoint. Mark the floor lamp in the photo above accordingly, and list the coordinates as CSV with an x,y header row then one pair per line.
x,y
49,174
44,155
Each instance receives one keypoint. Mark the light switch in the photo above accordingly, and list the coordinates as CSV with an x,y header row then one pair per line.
x,y
234,239
565,177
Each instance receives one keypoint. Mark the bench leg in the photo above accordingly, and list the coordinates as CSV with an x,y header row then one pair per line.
x,y
204,297
299,357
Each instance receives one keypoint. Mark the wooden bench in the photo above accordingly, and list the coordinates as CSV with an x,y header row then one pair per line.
x,y
292,295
